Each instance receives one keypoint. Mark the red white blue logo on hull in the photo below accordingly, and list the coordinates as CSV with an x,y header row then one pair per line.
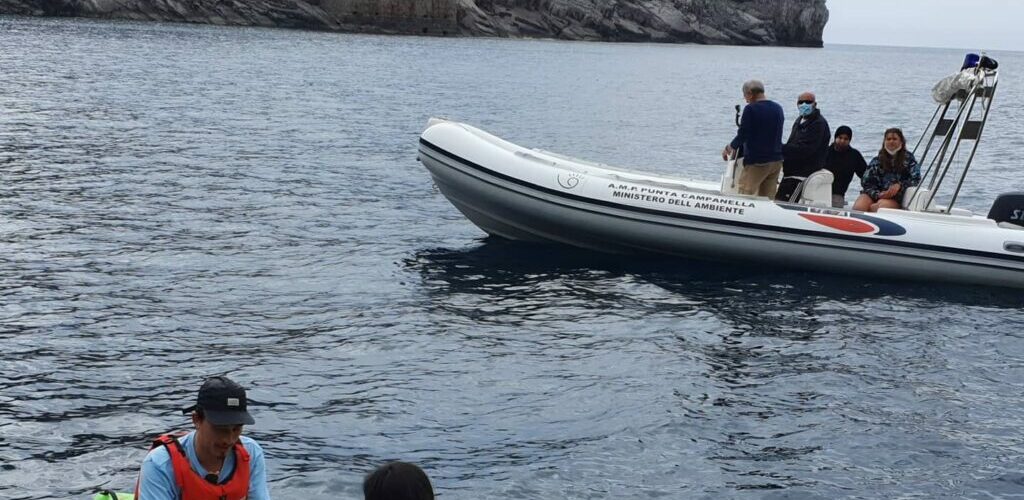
x,y
850,222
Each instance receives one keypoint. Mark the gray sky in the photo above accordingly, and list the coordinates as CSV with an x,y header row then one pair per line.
x,y
962,24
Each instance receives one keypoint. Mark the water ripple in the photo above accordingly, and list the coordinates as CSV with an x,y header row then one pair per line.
x,y
181,201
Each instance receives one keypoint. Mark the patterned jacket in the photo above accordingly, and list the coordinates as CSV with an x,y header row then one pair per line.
x,y
876,180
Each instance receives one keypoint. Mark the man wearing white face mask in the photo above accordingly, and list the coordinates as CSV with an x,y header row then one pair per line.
x,y
805,151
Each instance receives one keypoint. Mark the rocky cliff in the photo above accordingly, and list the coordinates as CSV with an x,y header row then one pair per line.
x,y
270,13
732,22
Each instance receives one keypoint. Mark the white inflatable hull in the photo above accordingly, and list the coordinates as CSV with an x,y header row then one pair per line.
x,y
532,195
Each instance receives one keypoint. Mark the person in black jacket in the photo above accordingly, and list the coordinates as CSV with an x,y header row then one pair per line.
x,y
804,152
843,161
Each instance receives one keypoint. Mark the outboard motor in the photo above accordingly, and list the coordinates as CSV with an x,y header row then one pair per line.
x,y
1008,208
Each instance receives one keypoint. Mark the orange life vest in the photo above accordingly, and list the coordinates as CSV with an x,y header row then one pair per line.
x,y
195,487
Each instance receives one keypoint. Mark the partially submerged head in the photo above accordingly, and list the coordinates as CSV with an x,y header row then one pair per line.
x,y
398,481
753,90
219,415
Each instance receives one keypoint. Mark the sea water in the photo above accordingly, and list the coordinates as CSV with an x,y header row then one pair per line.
x,y
178,201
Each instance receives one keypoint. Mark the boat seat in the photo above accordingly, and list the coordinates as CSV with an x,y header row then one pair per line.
x,y
814,190
914,199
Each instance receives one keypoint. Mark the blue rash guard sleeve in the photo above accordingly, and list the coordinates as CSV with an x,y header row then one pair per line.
x,y
258,489
156,480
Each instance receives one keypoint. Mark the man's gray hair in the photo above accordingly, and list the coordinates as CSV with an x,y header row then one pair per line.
x,y
753,87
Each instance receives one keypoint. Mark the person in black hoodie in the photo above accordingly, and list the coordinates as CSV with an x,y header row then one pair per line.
x,y
843,161
804,152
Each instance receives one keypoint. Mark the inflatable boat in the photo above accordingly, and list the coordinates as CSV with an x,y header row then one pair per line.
x,y
534,195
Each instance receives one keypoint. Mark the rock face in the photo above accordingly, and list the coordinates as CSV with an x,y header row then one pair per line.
x,y
728,22
731,22
270,13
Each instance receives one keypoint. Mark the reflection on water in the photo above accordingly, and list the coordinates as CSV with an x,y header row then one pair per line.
x,y
767,370
181,201
497,269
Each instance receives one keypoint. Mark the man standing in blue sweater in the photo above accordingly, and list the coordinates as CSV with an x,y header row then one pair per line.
x,y
760,135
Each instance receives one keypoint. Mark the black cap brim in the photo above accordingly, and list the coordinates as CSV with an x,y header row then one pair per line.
x,y
229,417
223,417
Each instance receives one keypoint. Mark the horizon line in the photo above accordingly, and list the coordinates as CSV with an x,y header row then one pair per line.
x,y
991,49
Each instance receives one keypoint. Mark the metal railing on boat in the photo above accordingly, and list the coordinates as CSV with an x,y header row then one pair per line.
x,y
954,126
